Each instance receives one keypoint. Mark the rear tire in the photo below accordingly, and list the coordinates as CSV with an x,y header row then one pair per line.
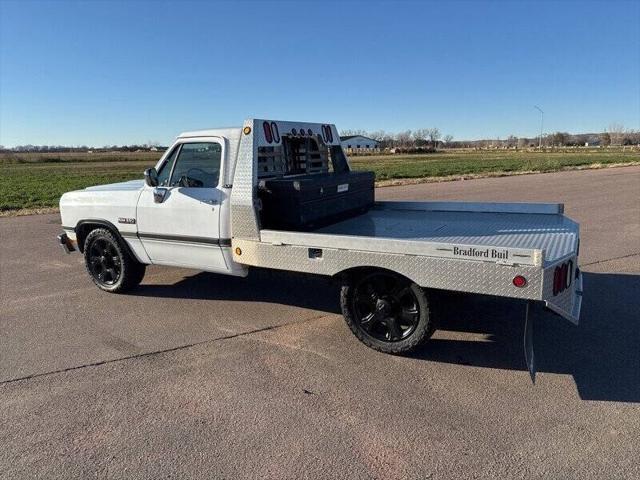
x,y
109,264
386,312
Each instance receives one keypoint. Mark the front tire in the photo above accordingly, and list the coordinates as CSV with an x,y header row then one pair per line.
x,y
386,311
109,264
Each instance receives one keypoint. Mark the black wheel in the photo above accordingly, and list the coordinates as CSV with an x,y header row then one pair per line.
x,y
109,264
386,311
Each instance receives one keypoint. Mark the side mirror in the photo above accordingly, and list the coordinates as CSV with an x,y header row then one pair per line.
x,y
151,177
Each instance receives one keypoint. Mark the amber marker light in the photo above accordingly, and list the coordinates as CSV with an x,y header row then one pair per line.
x,y
238,251
246,130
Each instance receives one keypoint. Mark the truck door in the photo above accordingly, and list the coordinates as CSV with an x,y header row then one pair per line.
x,y
179,220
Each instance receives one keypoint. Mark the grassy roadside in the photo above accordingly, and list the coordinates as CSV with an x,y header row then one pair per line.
x,y
33,182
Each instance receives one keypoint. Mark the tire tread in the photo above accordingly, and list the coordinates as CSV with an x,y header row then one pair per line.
x,y
420,336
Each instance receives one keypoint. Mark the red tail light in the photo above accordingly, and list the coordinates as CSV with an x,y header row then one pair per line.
x,y
519,281
562,277
268,135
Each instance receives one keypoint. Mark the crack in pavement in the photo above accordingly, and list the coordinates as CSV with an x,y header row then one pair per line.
x,y
610,259
158,352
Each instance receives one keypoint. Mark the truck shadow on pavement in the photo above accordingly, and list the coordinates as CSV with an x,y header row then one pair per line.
x,y
269,286
602,353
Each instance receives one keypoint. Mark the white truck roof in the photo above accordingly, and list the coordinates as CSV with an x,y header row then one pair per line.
x,y
213,132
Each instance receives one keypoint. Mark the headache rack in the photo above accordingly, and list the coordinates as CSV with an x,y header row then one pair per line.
x,y
296,156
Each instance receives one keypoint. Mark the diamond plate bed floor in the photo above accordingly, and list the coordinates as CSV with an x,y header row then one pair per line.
x,y
555,234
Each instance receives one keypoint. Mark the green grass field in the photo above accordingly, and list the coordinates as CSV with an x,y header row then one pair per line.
x,y
36,180
454,163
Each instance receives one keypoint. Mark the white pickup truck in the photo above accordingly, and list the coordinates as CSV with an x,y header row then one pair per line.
x,y
281,195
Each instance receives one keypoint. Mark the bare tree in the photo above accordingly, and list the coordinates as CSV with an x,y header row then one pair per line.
x,y
616,132
404,138
632,137
420,136
434,136
383,138
347,133
559,139
377,135
388,139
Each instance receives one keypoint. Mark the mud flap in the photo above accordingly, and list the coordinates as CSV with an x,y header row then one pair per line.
x,y
529,356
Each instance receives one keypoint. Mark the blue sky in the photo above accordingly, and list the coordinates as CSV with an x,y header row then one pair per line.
x,y
98,73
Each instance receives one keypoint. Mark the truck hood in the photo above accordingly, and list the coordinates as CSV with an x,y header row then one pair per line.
x,y
118,187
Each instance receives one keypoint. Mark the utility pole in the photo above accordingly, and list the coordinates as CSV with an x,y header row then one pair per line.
x,y
541,124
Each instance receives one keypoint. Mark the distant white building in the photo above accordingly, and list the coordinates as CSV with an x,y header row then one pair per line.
x,y
358,142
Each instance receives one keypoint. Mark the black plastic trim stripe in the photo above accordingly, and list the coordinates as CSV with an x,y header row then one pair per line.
x,y
223,242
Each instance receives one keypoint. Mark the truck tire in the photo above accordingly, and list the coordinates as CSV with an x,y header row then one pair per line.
x,y
386,311
109,264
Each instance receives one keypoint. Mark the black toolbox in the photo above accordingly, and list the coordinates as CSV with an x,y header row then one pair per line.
x,y
305,202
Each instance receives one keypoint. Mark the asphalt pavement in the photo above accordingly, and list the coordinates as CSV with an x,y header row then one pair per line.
x,y
196,375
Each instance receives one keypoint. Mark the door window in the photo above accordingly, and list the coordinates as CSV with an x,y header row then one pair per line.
x,y
198,165
166,167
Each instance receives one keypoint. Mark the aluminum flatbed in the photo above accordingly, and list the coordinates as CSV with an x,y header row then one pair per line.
x,y
433,228
469,247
